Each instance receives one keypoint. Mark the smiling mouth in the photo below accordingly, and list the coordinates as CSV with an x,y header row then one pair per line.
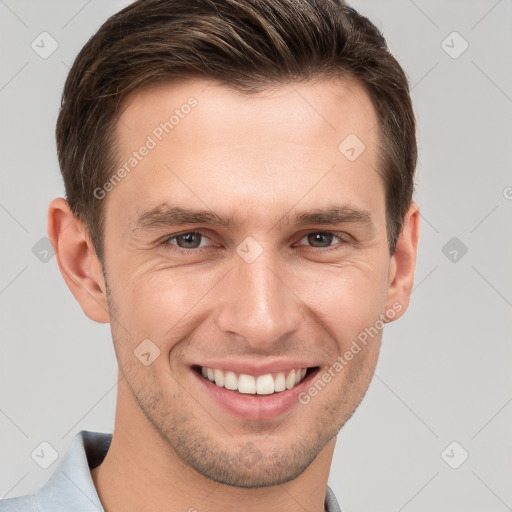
x,y
244,383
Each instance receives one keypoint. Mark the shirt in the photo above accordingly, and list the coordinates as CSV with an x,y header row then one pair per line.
x,y
71,488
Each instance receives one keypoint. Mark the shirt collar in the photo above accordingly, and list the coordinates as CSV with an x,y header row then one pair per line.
x,y
71,486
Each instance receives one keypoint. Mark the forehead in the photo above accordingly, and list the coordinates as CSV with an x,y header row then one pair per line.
x,y
206,145
329,108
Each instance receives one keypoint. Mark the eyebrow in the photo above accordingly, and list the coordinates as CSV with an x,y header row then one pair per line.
x,y
166,215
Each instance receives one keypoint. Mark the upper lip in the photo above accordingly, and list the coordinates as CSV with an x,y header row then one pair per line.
x,y
256,368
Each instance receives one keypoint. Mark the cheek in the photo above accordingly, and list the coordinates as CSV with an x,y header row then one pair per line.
x,y
346,300
160,305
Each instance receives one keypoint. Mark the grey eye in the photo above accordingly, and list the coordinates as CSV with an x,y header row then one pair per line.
x,y
191,240
320,239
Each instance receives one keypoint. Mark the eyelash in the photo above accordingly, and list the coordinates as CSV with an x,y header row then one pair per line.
x,y
341,236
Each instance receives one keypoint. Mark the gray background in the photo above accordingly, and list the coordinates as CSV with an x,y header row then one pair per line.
x,y
444,370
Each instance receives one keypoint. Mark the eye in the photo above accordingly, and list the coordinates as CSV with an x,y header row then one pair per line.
x,y
321,239
189,240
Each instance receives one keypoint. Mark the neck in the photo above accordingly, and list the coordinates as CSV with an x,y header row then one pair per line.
x,y
142,472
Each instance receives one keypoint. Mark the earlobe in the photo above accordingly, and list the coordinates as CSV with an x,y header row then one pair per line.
x,y
77,260
403,263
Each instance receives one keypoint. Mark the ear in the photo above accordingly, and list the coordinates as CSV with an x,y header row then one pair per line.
x,y
403,264
77,260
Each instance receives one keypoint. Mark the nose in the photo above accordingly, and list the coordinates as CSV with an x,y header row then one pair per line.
x,y
258,306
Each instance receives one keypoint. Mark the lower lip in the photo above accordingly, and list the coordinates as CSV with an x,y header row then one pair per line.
x,y
255,407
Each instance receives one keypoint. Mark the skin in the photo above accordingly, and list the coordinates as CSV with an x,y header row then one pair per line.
x,y
260,159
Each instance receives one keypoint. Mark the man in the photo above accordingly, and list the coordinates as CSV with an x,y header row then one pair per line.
x,y
239,179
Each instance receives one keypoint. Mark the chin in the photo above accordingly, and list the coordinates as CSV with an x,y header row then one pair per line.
x,y
244,472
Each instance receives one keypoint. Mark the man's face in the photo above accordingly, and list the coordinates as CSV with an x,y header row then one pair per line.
x,y
261,295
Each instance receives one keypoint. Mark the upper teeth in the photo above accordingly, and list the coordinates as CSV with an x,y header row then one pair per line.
x,y
261,385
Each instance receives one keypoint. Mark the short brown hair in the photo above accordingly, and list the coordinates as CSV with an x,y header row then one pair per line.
x,y
247,45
